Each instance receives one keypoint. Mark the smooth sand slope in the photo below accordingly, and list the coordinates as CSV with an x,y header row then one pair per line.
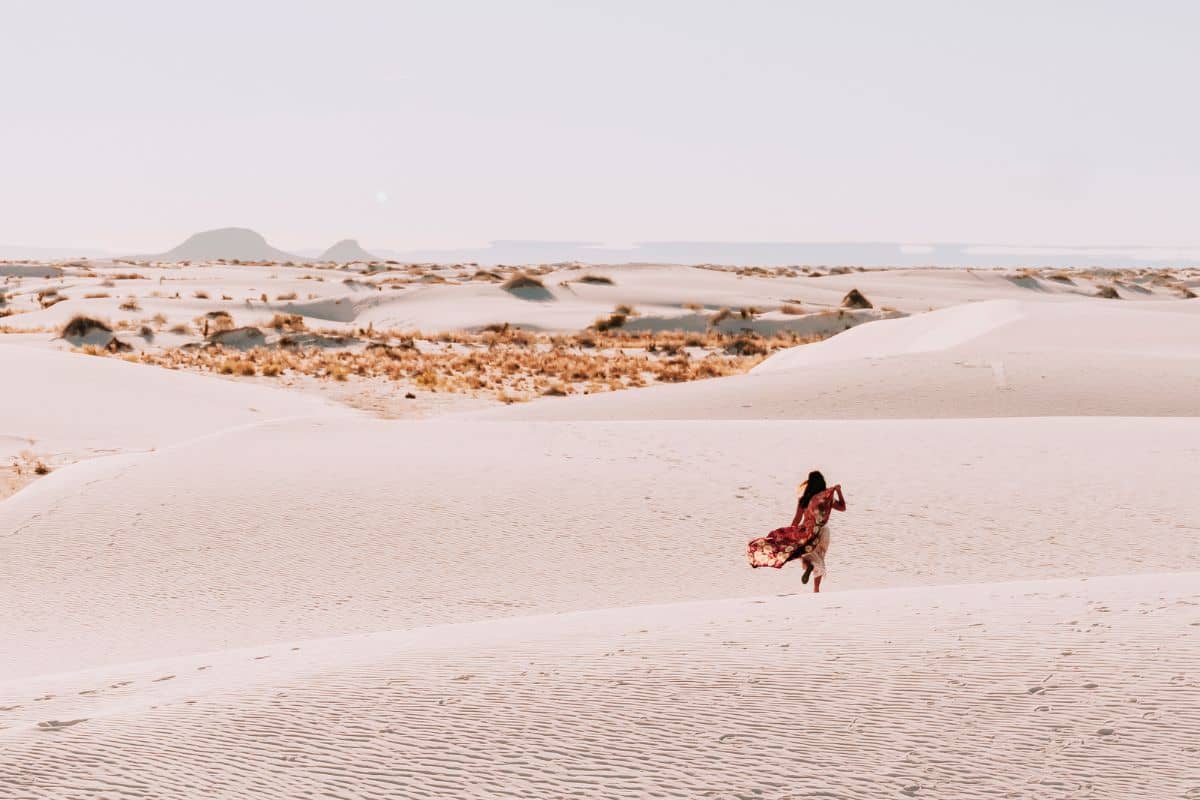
x,y
998,358
553,601
61,408
1050,689
318,527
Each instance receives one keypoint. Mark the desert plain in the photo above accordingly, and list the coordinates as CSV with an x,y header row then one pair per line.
x,y
375,530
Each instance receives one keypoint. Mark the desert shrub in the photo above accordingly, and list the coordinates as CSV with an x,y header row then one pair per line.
x,y
791,310
80,326
596,279
614,320
720,316
96,295
182,329
522,280
287,296
287,322
131,304
746,346
856,299
748,312
127,276
200,294
1108,292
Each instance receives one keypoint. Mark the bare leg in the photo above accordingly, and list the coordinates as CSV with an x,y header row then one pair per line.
x,y
816,584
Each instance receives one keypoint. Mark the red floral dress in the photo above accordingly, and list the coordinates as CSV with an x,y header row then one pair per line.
x,y
807,536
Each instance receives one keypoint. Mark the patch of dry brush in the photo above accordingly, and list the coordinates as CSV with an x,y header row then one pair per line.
x,y
506,363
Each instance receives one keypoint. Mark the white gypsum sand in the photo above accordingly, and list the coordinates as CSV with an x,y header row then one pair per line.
x,y
226,588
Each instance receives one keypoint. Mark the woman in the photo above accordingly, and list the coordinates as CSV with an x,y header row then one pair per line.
x,y
807,538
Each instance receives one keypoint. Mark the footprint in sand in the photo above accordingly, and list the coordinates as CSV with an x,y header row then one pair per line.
x,y
163,678
119,684
57,725
9,708
43,697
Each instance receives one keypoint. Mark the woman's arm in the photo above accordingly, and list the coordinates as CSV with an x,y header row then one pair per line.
x,y
839,502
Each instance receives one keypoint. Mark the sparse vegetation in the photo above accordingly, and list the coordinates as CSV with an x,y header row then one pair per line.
x,y
1108,292
596,279
501,362
131,304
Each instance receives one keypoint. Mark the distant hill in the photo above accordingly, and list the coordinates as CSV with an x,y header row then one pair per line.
x,y
345,251
242,244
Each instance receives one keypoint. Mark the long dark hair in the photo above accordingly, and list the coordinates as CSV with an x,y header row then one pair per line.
x,y
816,485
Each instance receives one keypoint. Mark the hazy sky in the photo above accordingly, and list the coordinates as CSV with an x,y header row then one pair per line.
x,y
128,125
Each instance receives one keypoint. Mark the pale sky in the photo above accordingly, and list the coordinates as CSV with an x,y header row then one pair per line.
x,y
129,125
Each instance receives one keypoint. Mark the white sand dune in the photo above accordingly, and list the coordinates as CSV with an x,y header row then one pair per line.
x,y
664,296
324,527
990,359
70,406
258,595
1048,689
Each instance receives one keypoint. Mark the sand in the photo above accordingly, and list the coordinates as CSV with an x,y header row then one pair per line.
x,y
236,589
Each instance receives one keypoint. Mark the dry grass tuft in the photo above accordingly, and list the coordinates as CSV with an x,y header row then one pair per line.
x,y
287,296
1108,292
130,304
791,310
614,320
287,322
596,279
522,280
96,295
